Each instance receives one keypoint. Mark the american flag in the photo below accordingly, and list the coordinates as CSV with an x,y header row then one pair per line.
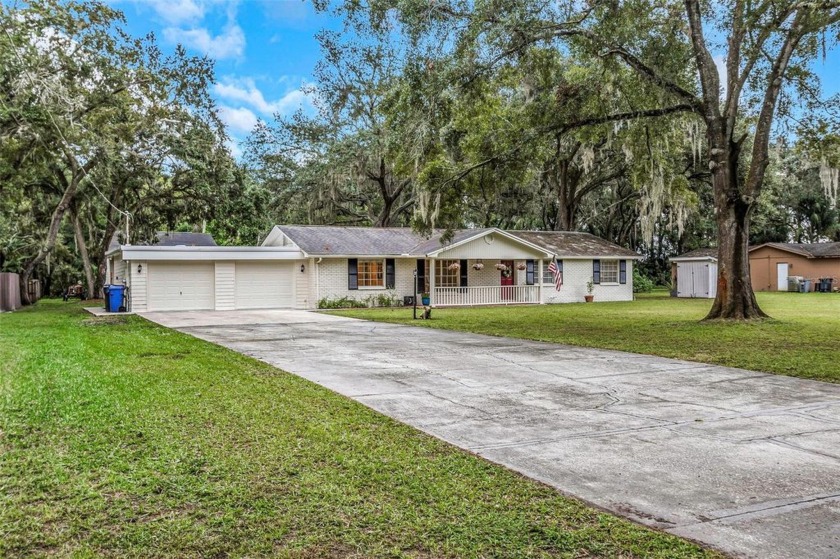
x,y
557,272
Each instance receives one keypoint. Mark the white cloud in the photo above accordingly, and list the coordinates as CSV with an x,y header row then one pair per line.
x,y
246,91
177,12
229,44
238,119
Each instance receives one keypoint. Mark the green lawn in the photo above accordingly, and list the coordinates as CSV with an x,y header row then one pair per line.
x,y
802,339
122,438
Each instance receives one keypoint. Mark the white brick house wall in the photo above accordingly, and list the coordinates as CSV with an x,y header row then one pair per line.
x,y
332,280
576,273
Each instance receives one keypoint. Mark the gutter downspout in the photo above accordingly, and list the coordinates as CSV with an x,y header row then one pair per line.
x,y
317,281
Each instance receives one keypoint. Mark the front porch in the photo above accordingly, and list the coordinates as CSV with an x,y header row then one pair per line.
x,y
486,295
489,268
475,282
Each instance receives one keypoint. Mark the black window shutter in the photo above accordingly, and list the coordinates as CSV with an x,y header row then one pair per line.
x,y
560,266
464,267
390,273
352,273
421,275
622,271
596,271
529,272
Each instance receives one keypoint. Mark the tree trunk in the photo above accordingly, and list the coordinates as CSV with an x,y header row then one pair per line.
x,y
384,219
567,181
735,299
52,235
82,246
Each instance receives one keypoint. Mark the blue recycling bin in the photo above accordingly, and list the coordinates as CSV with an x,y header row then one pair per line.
x,y
114,298
106,289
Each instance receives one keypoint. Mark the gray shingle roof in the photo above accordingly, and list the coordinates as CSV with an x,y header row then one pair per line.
x,y
397,241
813,250
573,244
352,241
698,253
166,239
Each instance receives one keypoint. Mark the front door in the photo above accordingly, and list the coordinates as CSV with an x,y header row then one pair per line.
x,y
506,279
782,276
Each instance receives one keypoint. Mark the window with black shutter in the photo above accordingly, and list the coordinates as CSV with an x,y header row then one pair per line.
x,y
463,268
529,272
421,275
622,271
352,273
596,271
390,273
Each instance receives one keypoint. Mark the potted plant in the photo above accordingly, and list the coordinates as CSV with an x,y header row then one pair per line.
x,y
425,299
478,265
521,266
590,287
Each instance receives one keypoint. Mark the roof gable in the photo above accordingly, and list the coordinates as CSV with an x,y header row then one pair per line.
x,y
490,243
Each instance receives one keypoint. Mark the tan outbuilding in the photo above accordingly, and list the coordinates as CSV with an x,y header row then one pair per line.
x,y
771,266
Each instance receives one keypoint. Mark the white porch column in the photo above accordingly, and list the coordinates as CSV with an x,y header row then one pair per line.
x,y
431,282
540,280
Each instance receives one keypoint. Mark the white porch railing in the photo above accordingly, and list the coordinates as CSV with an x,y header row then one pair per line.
x,y
485,295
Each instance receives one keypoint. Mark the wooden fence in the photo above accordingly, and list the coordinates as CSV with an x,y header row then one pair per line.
x,y
9,291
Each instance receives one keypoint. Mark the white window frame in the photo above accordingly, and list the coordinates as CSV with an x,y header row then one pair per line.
x,y
359,273
442,271
548,277
604,265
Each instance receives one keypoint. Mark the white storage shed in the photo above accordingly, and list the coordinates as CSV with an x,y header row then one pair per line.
x,y
694,274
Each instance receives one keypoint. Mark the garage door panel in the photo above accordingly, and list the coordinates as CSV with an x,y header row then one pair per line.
x,y
181,286
264,285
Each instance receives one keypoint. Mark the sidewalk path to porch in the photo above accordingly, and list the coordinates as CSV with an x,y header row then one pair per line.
x,y
746,462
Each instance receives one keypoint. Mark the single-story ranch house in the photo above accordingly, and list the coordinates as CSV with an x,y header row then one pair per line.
x,y
298,266
694,274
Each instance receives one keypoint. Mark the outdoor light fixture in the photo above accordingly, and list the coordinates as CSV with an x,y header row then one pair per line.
x,y
139,268
302,268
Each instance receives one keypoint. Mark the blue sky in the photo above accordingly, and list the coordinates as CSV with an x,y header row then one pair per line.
x,y
265,51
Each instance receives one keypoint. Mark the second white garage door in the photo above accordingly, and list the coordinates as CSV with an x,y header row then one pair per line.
x,y
181,286
261,285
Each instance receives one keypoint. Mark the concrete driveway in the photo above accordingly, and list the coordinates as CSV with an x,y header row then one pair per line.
x,y
742,461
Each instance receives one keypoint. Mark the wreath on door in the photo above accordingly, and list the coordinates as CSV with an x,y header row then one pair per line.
x,y
506,273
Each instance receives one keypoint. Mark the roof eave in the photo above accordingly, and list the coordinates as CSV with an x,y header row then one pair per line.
x,y
783,248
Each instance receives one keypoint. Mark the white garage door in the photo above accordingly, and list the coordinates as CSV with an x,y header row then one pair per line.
x,y
264,285
181,286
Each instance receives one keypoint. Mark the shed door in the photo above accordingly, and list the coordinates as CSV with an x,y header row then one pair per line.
x,y
182,286
782,276
264,285
693,279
